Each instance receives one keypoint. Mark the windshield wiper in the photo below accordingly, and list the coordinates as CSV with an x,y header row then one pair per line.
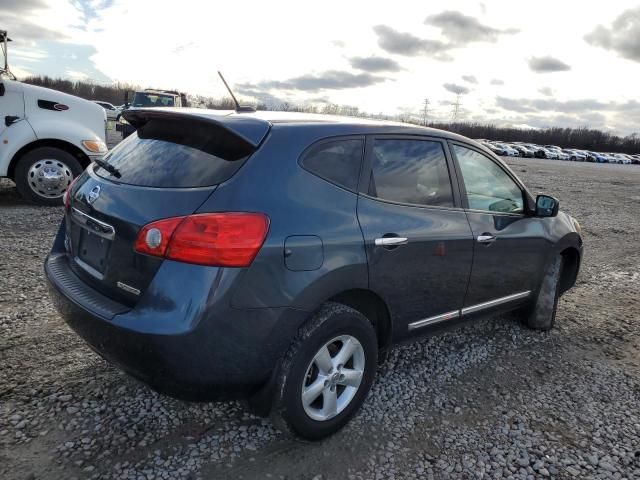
x,y
108,167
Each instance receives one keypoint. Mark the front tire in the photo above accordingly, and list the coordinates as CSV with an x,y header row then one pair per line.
x,y
43,175
542,315
326,374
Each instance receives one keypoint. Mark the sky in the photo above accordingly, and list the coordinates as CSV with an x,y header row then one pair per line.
x,y
536,64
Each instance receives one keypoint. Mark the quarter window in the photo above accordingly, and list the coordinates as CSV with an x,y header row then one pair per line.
x,y
337,161
488,186
410,171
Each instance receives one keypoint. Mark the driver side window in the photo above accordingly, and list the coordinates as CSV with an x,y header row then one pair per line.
x,y
488,186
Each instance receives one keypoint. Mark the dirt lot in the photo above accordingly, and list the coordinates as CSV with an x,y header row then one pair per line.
x,y
490,400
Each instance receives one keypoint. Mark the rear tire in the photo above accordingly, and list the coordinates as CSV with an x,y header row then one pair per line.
x,y
44,174
542,315
316,395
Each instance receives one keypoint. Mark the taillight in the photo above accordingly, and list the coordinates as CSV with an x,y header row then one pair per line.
x,y
217,239
66,198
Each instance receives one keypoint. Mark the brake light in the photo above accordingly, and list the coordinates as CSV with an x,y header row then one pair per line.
x,y
230,239
66,198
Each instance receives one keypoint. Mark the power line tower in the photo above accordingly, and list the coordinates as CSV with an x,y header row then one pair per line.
x,y
456,108
425,111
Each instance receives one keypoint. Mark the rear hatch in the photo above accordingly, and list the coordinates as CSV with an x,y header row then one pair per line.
x,y
168,168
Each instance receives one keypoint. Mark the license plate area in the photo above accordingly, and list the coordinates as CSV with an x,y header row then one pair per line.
x,y
93,252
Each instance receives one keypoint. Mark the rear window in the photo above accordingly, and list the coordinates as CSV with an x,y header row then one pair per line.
x,y
337,161
176,154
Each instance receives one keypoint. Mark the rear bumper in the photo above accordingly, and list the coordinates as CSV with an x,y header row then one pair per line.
x,y
203,351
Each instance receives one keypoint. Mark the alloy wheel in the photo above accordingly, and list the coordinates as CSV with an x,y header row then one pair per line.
x,y
333,378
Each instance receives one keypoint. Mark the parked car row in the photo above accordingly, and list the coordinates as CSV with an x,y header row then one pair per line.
x,y
553,152
113,112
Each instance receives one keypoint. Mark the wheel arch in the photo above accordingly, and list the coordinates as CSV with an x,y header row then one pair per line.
x,y
570,268
372,306
48,142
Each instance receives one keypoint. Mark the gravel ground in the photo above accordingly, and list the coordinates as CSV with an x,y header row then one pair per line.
x,y
488,400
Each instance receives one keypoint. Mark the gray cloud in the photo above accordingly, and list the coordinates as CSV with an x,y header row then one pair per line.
x,y
623,37
546,91
461,29
470,79
457,28
22,30
402,43
547,64
329,80
582,106
457,89
21,6
15,20
375,64
514,105
497,81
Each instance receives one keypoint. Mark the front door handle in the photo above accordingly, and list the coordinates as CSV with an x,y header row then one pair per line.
x,y
486,238
391,241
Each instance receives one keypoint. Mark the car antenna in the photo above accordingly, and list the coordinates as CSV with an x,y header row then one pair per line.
x,y
239,108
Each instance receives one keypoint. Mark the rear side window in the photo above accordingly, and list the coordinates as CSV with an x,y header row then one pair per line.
x,y
337,161
410,171
176,154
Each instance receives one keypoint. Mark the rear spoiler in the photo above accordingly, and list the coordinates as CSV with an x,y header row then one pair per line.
x,y
249,129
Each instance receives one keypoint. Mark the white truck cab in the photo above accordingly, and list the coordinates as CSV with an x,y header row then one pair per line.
x,y
47,137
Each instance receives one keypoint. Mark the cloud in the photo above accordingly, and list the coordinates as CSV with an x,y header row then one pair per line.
x,y
623,37
402,43
15,19
329,80
457,89
470,79
546,91
547,64
496,81
457,28
375,64
582,106
514,105
338,43
21,6
461,29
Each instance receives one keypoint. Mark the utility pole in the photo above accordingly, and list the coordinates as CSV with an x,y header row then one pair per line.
x,y
425,111
456,108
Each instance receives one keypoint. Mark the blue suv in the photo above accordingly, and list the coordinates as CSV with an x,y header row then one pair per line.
x,y
278,256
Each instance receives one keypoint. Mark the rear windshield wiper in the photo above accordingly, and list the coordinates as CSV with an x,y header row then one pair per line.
x,y
108,167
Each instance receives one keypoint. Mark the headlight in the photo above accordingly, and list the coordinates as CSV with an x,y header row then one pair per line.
x,y
577,226
94,146
123,120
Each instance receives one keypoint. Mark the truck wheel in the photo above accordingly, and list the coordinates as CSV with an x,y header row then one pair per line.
x,y
44,174
542,315
326,374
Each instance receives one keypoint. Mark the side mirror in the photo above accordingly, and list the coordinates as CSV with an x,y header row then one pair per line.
x,y
546,206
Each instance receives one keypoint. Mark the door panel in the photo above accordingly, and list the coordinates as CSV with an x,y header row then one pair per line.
x,y
428,275
11,103
418,243
510,247
511,263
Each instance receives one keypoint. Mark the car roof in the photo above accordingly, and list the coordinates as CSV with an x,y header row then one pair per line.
x,y
251,125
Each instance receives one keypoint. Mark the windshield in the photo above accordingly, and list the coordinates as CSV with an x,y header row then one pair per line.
x,y
149,99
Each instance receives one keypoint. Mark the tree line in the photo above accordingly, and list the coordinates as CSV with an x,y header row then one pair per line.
x,y
582,138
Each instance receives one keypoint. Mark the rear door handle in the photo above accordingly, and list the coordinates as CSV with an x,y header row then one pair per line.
x,y
486,238
391,241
